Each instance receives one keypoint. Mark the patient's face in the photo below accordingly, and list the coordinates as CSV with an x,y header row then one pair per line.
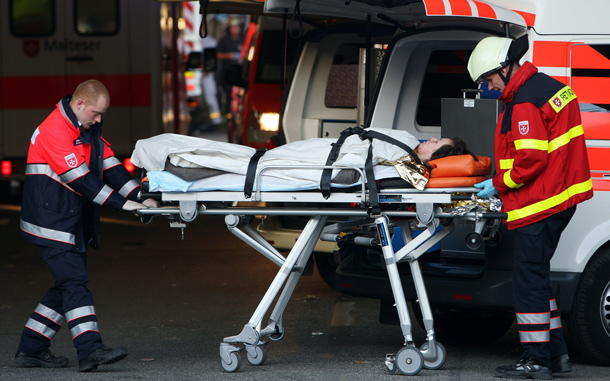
x,y
426,149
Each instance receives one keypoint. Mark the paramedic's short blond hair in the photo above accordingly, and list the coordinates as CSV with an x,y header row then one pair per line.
x,y
90,91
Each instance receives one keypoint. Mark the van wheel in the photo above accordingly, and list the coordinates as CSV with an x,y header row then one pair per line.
x,y
327,267
589,320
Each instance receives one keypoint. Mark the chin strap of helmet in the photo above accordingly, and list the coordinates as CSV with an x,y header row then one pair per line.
x,y
510,72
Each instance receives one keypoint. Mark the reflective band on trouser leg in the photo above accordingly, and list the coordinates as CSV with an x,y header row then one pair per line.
x,y
40,328
534,336
81,328
532,327
551,202
80,312
535,318
50,314
555,315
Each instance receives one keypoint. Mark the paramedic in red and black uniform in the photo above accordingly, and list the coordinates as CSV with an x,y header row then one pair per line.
x,y
542,174
70,173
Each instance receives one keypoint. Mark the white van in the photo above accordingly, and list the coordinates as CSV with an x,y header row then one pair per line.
x,y
416,83
48,47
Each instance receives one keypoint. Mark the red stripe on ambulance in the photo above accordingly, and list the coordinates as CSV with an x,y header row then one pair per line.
x,y
125,89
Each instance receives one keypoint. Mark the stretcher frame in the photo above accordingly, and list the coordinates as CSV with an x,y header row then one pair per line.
x,y
409,360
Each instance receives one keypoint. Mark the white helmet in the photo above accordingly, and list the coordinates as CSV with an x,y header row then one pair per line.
x,y
490,54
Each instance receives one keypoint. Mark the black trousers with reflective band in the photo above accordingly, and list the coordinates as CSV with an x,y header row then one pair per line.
x,y
535,245
68,301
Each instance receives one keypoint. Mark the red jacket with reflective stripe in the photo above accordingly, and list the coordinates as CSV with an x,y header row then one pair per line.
x,y
69,174
540,153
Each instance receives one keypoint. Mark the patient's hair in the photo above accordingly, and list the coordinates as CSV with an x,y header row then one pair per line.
x,y
457,148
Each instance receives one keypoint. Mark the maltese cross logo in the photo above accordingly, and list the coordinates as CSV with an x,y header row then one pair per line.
x,y
71,160
524,127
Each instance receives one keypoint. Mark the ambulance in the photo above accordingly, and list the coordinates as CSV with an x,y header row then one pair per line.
x,y
48,47
417,81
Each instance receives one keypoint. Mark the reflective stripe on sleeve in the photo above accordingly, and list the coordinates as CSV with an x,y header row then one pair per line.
x,y
44,169
83,327
536,318
110,162
541,145
506,163
566,138
128,188
550,202
50,314
80,312
103,195
553,304
551,146
534,336
44,330
509,182
75,173
54,235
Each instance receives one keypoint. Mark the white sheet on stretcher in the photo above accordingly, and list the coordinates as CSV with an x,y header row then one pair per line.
x,y
191,152
163,181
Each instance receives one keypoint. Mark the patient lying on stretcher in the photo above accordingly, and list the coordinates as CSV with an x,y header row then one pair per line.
x,y
175,153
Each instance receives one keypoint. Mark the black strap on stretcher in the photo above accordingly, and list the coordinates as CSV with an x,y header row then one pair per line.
x,y
251,172
368,166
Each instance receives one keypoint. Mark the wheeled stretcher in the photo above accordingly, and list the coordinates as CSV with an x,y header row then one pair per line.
x,y
366,213
365,209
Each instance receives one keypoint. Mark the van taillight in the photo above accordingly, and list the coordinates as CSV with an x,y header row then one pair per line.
x,y
6,168
129,166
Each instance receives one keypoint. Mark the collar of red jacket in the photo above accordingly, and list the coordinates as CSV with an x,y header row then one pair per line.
x,y
525,72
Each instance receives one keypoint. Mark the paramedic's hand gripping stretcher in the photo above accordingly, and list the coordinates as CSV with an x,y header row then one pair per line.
x,y
366,207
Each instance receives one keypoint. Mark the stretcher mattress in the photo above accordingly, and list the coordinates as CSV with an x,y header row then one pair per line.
x,y
227,164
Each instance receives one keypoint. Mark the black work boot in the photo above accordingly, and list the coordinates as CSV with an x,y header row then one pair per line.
x,y
525,369
101,356
562,364
44,359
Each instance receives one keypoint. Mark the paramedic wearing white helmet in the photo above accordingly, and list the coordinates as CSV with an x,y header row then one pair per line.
x,y
542,173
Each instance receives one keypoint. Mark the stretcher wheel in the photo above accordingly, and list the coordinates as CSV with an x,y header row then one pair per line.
x,y
441,353
259,357
474,241
409,361
234,365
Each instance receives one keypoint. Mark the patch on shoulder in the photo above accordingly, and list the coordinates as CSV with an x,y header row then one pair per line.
x,y
524,127
71,160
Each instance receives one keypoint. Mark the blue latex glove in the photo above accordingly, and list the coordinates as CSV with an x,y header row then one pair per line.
x,y
487,187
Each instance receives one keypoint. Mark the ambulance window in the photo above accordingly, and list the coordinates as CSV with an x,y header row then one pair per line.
x,y
446,76
342,84
590,80
32,17
96,17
